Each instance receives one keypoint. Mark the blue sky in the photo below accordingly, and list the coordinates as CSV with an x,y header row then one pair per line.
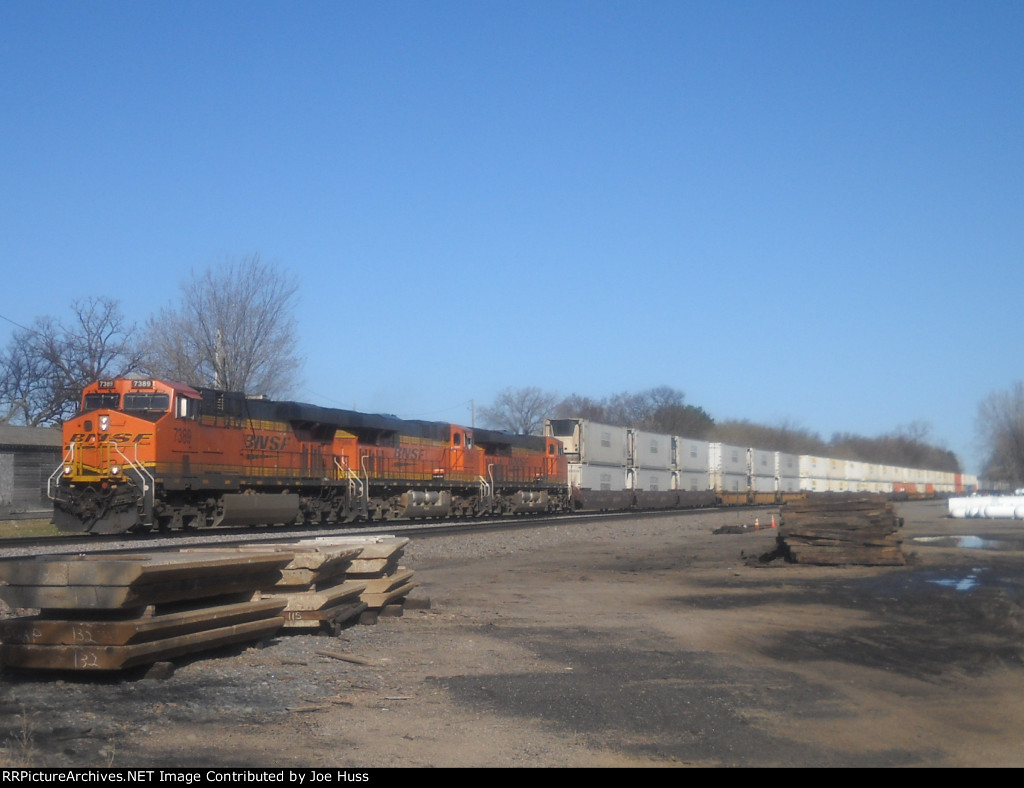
x,y
810,212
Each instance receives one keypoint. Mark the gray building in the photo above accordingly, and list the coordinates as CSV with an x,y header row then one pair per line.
x,y
28,455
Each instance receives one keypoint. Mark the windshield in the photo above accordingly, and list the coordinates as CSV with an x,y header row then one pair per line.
x,y
137,402
96,401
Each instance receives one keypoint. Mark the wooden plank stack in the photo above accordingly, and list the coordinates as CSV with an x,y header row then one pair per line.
x,y
331,580
378,566
840,530
111,612
312,586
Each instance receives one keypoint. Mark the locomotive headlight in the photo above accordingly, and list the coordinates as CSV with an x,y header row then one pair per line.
x,y
104,423
67,470
115,470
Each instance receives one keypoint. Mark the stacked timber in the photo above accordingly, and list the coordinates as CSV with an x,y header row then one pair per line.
x,y
111,612
378,565
313,585
316,588
841,529
332,580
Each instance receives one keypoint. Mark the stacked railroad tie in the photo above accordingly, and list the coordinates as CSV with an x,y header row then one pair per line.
x,y
332,580
840,529
111,612
386,583
116,611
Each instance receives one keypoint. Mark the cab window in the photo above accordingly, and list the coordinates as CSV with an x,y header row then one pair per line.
x,y
186,408
111,401
147,402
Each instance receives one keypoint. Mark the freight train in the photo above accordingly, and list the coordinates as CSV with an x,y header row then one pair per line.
x,y
153,455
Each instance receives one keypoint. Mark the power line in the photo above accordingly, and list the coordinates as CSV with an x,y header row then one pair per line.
x,y
19,325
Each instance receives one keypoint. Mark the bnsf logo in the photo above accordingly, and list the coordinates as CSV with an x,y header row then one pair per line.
x,y
266,442
141,438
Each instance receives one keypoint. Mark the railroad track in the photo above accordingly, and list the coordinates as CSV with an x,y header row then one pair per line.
x,y
102,604
69,544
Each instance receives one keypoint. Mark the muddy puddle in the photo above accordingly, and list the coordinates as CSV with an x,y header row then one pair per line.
x,y
971,542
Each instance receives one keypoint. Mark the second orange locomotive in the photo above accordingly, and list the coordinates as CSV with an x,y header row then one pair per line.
x,y
147,454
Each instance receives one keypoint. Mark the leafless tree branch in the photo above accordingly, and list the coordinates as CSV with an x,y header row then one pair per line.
x,y
232,328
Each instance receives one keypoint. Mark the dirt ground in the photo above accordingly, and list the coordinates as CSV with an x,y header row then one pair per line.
x,y
650,642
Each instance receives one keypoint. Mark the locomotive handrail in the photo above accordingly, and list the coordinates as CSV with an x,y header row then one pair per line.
x,y
68,459
148,490
487,487
348,473
357,488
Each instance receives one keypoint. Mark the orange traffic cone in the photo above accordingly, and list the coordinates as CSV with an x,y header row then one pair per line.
x,y
757,525
773,522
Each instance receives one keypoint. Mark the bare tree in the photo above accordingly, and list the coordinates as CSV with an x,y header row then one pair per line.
x,y
1000,427
45,367
233,328
521,411
785,437
576,406
908,446
660,409
688,421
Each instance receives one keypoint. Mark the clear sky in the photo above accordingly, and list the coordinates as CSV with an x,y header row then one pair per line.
x,y
810,212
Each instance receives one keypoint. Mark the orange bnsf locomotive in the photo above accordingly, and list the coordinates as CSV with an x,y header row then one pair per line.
x,y
152,455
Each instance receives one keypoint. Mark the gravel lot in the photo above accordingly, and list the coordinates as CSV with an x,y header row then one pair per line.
x,y
642,642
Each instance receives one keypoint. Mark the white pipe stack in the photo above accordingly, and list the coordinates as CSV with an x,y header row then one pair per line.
x,y
1004,507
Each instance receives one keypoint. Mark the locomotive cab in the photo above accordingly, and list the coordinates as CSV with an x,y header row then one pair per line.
x,y
460,454
105,483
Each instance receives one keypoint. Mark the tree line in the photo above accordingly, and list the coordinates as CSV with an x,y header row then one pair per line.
x,y
664,410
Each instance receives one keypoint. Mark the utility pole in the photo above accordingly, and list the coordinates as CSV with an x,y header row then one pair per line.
x,y
218,363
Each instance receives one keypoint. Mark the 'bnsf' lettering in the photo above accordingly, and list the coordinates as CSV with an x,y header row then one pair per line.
x,y
406,453
91,438
266,442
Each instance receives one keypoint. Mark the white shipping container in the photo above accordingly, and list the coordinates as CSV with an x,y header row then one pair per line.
x,y
836,469
727,459
787,466
649,479
814,484
597,477
694,481
813,467
650,450
589,442
788,484
838,485
762,484
692,455
730,482
856,471
762,463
